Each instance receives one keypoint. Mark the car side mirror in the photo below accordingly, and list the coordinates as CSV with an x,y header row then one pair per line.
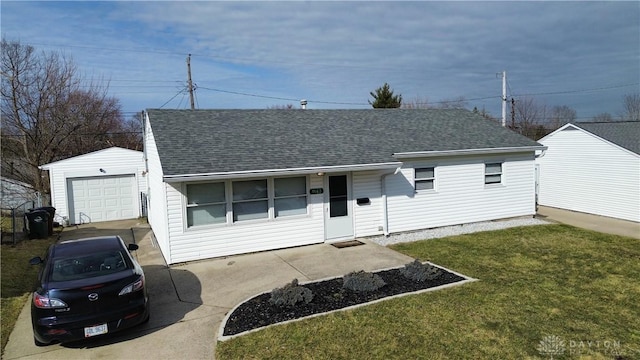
x,y
132,247
35,261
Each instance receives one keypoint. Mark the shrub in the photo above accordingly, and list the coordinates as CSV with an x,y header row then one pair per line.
x,y
420,272
290,294
362,281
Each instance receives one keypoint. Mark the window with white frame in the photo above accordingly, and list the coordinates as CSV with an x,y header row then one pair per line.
x,y
206,204
493,173
250,200
425,178
290,196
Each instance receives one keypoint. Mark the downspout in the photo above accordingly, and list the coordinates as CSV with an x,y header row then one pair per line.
x,y
385,213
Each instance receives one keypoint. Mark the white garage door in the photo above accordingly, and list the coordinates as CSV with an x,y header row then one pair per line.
x,y
102,198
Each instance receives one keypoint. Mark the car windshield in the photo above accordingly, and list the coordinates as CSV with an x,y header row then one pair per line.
x,y
88,266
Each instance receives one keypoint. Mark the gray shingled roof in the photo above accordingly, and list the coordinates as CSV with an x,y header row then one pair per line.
x,y
213,141
622,133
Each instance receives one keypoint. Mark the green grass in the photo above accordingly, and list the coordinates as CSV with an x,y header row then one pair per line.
x,y
17,280
535,281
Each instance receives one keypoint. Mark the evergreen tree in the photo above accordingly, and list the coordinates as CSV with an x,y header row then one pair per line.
x,y
384,98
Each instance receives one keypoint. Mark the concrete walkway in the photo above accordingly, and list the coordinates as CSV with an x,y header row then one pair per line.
x,y
592,222
188,302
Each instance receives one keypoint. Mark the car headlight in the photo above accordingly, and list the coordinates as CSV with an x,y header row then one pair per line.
x,y
133,287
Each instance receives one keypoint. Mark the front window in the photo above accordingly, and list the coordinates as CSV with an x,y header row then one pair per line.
x,y
493,173
425,178
290,196
215,203
206,204
250,200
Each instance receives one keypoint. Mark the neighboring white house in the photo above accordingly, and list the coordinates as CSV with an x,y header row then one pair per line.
x,y
592,168
14,193
100,186
224,182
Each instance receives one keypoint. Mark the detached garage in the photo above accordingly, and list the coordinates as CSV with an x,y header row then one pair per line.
x,y
103,185
593,168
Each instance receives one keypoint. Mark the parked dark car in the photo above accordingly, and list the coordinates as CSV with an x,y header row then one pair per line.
x,y
86,288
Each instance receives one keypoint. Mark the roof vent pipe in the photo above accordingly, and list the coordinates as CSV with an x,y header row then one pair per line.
x,y
303,104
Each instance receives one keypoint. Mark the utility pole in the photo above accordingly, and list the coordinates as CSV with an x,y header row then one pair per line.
x,y
513,114
504,98
190,83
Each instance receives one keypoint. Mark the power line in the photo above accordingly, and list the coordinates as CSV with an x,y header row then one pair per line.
x,y
577,91
173,97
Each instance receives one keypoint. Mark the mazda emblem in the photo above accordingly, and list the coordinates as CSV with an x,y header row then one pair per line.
x,y
93,297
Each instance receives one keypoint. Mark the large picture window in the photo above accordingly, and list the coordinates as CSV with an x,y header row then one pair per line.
x,y
290,196
237,201
206,204
250,200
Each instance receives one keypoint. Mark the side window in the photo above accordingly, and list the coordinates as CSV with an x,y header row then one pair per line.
x,y
493,173
425,178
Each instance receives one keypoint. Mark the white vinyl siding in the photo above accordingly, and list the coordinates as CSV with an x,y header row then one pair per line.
x,y
156,196
581,172
462,195
114,162
240,237
368,218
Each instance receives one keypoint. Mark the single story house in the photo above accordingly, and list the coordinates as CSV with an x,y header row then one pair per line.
x,y
592,167
14,193
225,182
103,185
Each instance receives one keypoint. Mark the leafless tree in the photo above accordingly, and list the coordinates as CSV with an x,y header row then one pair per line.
x,y
49,112
416,103
530,118
631,107
559,116
603,117
456,103
281,107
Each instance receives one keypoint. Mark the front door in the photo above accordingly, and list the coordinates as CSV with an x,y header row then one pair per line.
x,y
338,211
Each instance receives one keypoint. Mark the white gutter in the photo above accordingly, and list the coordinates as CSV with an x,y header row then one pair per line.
x,y
427,154
385,212
278,172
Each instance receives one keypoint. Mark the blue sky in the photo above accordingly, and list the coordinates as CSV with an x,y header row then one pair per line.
x,y
585,55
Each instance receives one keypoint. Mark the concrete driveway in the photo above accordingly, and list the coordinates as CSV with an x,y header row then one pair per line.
x,y
188,302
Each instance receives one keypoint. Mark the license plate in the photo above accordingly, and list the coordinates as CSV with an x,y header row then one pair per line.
x,y
95,330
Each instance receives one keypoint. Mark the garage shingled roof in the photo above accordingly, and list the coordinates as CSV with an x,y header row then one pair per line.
x,y
622,133
214,141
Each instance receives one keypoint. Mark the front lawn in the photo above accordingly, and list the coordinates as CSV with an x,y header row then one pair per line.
x,y
551,290
18,279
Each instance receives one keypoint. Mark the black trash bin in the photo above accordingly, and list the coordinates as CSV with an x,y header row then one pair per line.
x,y
38,224
52,212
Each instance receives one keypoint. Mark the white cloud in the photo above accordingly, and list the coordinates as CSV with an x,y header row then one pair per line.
x,y
339,51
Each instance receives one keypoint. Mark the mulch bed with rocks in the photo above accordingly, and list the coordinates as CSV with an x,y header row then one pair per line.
x,y
328,295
